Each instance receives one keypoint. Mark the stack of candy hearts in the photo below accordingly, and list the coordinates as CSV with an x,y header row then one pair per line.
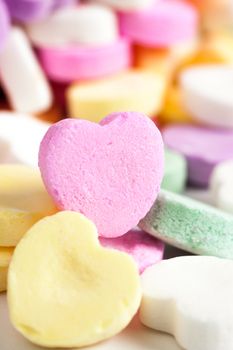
x,y
111,113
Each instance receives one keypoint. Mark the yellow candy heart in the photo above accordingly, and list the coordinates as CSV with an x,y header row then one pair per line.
x,y
134,90
23,201
64,289
5,257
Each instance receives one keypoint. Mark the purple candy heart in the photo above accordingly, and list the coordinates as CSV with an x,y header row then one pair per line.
x,y
32,10
203,148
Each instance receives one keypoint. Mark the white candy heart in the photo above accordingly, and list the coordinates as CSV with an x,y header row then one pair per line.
x,y
89,24
191,298
22,78
20,137
207,94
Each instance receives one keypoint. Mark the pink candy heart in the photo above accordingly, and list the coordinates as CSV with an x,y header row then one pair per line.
x,y
110,172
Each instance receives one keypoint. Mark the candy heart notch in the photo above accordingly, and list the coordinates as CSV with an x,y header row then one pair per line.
x,y
110,172
191,298
65,290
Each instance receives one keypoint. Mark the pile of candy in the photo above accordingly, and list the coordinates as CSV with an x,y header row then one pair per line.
x,y
75,234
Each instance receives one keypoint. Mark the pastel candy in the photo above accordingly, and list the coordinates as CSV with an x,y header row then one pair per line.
x,y
33,10
28,10
207,94
203,149
175,174
82,293
221,186
173,110
17,148
23,201
27,89
89,24
163,60
5,257
4,24
127,5
137,91
190,225
74,63
193,302
109,172
62,3
219,15
145,250
160,25
213,48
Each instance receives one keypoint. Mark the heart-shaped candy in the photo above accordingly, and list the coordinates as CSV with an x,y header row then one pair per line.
x,y
65,290
190,298
110,172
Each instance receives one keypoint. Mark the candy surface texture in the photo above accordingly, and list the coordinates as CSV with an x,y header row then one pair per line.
x,y
192,302
145,250
23,201
109,172
82,293
190,225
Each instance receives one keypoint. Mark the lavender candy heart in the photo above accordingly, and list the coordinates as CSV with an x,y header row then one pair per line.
x,y
203,148
4,24
32,10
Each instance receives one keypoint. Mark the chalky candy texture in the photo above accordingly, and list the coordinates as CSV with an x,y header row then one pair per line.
x,y
4,24
145,250
110,172
163,24
76,292
175,171
190,225
23,201
203,149
190,297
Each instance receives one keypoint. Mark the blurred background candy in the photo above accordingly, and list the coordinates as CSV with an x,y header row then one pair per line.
x,y
169,59
4,24
32,10
203,148
135,90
